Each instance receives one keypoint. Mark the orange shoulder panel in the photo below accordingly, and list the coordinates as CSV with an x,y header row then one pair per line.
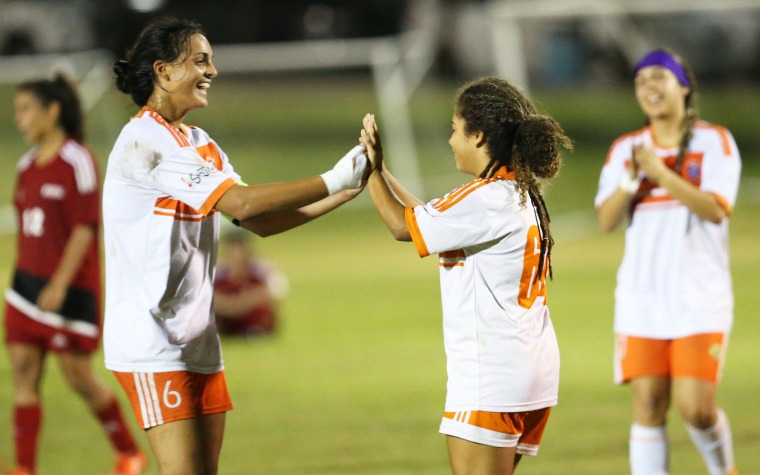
x,y
414,231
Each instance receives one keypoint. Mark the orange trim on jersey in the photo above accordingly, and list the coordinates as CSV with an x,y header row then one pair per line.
x,y
168,206
449,259
722,202
214,197
532,285
722,131
211,152
181,139
666,198
620,139
656,199
504,174
460,193
414,231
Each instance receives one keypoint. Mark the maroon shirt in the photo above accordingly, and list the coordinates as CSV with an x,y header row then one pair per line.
x,y
50,201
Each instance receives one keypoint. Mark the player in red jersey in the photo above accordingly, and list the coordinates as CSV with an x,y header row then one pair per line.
x,y
246,289
53,304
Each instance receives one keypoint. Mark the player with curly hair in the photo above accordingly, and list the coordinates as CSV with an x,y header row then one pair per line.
x,y
494,244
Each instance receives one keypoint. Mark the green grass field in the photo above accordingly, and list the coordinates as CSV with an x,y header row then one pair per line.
x,y
354,382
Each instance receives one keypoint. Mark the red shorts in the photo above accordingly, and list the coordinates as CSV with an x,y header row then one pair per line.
x,y
697,356
159,398
63,337
499,429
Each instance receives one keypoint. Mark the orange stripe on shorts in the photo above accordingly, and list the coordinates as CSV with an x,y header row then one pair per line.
x,y
160,398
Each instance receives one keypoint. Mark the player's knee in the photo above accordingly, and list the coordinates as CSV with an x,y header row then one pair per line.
x,y
84,385
650,411
77,384
697,416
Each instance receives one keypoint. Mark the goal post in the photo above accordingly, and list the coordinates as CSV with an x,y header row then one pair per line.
x,y
396,66
613,17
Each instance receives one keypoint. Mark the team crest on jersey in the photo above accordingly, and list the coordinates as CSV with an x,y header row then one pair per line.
x,y
693,171
692,167
52,191
194,178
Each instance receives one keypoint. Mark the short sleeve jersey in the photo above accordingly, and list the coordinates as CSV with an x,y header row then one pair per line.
x,y
160,239
502,353
51,200
674,279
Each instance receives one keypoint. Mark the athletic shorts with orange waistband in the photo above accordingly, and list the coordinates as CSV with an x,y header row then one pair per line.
x,y
498,429
697,356
160,398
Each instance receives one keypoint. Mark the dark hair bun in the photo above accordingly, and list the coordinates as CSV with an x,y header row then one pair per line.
x,y
122,69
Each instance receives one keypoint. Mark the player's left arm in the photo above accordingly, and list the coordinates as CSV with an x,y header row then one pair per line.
x,y
52,296
388,206
284,221
384,189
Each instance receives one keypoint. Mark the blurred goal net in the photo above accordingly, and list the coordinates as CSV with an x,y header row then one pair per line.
x,y
612,19
397,65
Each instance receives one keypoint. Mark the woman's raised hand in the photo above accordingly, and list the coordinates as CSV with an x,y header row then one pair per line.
x,y
370,138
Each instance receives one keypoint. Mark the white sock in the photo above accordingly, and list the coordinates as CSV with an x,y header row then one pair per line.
x,y
648,450
715,445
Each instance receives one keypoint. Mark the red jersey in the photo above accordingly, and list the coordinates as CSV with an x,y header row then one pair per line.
x,y
260,319
50,201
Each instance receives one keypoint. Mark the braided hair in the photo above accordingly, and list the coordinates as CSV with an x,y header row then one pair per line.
x,y
60,90
691,112
519,138
165,39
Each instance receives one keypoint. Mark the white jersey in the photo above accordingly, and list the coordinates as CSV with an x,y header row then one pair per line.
x,y
161,234
674,279
502,353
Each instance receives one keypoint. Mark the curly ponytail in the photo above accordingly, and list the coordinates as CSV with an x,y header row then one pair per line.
x,y
518,138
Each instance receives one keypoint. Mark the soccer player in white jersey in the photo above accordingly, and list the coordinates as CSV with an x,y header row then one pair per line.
x,y
494,244
166,186
53,303
675,183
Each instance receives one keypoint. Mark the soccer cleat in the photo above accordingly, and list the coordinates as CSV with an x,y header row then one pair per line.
x,y
130,464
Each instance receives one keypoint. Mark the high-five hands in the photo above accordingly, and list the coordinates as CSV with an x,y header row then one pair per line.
x,y
370,138
349,173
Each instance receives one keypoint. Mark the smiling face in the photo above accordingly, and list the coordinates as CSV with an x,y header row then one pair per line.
x,y
183,85
34,119
660,95
469,149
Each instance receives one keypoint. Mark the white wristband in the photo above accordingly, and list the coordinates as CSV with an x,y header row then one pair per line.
x,y
332,181
348,172
629,184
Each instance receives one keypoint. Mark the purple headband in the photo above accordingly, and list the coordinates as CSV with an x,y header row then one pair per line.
x,y
663,59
